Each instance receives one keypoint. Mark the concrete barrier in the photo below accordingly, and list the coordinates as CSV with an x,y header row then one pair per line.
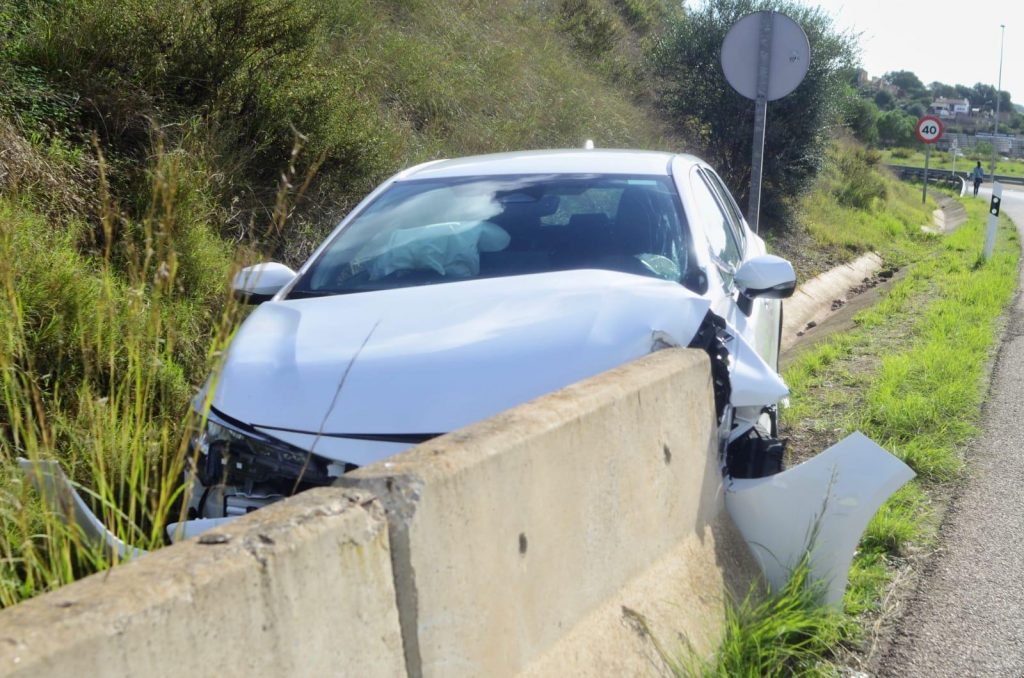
x,y
303,587
543,539
559,538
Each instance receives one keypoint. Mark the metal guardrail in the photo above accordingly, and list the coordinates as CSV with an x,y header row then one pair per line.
x,y
906,172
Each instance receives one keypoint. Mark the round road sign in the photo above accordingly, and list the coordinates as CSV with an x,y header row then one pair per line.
x,y
787,50
929,129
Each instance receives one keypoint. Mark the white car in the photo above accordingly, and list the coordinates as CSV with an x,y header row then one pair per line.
x,y
460,288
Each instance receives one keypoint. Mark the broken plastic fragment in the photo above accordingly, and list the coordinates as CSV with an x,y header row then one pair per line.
x,y
831,497
60,495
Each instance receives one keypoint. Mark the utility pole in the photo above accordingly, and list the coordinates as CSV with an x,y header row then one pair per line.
x,y
999,98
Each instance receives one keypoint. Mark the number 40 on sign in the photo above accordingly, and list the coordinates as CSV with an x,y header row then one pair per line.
x,y
929,129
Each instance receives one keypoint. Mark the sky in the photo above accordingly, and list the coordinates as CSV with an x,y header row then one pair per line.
x,y
952,42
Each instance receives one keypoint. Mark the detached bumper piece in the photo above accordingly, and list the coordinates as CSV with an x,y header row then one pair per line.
x,y
820,507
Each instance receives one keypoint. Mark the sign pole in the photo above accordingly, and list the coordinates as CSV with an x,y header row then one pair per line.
x,y
924,190
764,62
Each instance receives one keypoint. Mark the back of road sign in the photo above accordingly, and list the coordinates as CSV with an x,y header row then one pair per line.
x,y
790,55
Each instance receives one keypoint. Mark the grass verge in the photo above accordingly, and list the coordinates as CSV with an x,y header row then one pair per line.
x,y
96,358
944,160
912,375
853,208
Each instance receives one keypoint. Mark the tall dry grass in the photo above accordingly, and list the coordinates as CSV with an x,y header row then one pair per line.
x,y
99,359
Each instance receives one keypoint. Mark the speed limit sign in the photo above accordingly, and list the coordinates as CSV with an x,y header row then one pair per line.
x,y
929,129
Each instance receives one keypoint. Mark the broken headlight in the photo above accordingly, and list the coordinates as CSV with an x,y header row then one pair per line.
x,y
228,452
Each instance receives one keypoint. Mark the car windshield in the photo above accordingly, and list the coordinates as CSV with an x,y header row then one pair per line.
x,y
444,230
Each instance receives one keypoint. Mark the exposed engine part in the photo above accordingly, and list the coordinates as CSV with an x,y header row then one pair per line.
x,y
234,469
250,462
240,504
755,455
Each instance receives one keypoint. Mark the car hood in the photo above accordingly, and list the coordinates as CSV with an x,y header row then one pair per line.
x,y
430,359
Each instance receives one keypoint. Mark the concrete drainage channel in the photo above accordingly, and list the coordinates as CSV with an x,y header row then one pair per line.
x,y
827,303
816,300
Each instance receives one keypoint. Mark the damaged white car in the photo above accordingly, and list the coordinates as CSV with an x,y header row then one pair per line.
x,y
461,288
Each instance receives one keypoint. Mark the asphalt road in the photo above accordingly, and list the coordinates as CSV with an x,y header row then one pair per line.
x,y
967,615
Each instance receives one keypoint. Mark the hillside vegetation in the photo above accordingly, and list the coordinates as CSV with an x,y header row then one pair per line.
x,y
146,146
364,87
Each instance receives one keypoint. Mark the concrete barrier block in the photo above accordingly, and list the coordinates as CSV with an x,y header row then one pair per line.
x,y
519,541
303,587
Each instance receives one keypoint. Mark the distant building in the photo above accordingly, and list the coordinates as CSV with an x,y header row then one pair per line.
x,y
950,108
882,85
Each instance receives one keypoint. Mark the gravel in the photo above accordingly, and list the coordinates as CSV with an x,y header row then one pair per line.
x,y
967,615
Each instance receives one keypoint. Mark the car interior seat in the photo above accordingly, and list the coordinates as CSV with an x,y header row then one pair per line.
x,y
635,223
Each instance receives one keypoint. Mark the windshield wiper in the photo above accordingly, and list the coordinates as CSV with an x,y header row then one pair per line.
x,y
309,294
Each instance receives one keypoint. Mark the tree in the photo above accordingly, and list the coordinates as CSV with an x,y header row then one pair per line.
x,y
895,128
939,89
707,110
983,96
909,84
861,117
884,100
916,109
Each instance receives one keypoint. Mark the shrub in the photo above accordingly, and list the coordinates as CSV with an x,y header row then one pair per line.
x,y
591,27
861,185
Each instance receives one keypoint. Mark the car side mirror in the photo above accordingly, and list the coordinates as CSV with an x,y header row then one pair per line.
x,y
259,283
766,276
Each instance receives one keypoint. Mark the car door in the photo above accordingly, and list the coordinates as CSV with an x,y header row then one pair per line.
x,y
766,314
728,245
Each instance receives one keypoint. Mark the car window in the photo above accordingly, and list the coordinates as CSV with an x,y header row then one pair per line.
x,y
721,240
731,208
431,231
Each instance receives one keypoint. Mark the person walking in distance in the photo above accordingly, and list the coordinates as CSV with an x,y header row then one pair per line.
x,y
978,175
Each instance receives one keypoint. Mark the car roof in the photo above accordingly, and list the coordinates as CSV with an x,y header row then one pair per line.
x,y
559,161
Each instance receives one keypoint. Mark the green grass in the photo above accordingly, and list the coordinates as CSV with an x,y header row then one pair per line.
x,y
149,144
370,86
787,633
912,376
853,208
944,160
98,361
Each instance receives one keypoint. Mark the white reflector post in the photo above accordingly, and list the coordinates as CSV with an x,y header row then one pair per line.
x,y
993,219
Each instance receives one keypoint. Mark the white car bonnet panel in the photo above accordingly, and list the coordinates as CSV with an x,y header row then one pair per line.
x,y
435,358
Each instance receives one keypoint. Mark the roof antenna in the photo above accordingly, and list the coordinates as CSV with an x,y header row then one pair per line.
x,y
588,145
